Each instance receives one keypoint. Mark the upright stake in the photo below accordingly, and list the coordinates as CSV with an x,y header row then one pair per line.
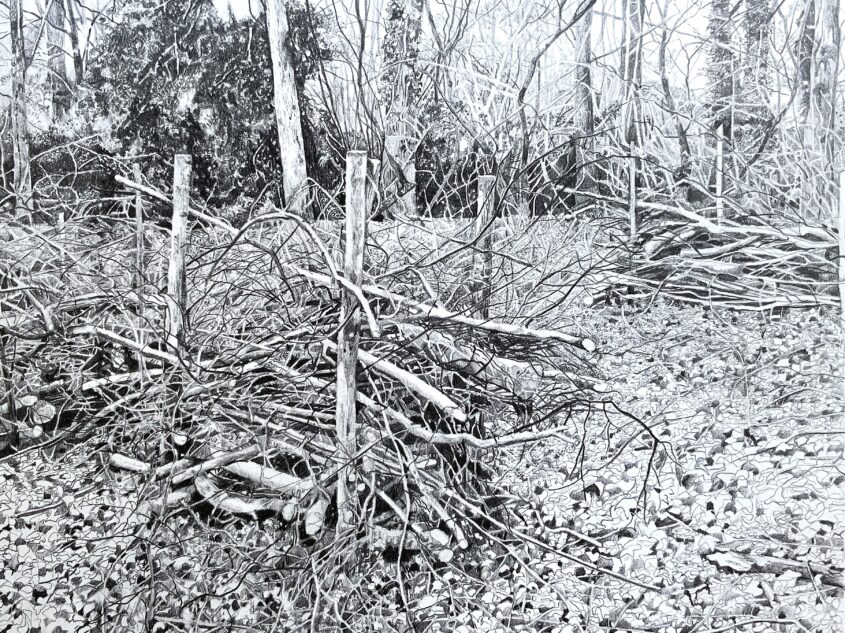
x,y
176,291
347,338
138,280
720,173
486,208
632,196
6,375
842,259
483,264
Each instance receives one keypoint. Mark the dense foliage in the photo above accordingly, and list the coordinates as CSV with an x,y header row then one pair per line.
x,y
202,85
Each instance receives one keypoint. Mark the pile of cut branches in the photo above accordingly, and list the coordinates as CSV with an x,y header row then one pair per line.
x,y
744,261
240,419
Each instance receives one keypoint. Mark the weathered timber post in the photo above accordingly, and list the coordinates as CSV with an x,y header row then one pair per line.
x,y
347,338
484,260
483,268
842,258
720,174
632,197
7,377
177,302
138,277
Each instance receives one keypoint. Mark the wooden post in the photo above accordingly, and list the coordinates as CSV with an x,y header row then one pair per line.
x,y
720,173
842,260
7,377
632,196
486,209
347,338
176,290
483,291
138,277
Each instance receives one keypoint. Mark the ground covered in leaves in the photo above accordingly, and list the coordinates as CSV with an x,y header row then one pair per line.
x,y
717,485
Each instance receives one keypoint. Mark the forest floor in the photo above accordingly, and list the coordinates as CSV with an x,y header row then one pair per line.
x,y
734,515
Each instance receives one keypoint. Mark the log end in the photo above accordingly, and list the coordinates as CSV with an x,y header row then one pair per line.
x,y
588,345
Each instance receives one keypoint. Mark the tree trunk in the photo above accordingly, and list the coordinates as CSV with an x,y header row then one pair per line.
x,y
59,88
684,169
756,70
819,137
76,51
804,56
23,178
286,104
584,120
720,74
633,69
633,77
400,91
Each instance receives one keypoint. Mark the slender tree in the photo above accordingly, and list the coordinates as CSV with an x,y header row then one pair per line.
x,y
684,168
59,85
286,103
20,133
632,76
804,56
819,103
721,82
76,50
400,87
584,120
632,69
756,68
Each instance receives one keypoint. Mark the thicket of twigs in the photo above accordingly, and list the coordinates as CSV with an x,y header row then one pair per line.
x,y
240,422
743,261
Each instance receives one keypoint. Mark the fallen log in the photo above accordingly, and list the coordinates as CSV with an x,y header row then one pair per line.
x,y
733,561
234,503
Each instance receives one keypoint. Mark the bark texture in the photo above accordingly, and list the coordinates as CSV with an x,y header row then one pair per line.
x,y
584,120
819,101
20,132
288,117
400,88
59,85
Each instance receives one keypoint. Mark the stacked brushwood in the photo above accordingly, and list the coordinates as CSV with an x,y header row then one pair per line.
x,y
241,419
744,261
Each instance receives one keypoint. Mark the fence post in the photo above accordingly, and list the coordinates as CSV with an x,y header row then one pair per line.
x,y
842,258
347,338
486,209
720,174
632,196
483,292
176,291
138,278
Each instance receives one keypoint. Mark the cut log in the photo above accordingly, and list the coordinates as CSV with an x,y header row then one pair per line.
x,y
234,503
757,564
131,464
315,516
216,462
270,478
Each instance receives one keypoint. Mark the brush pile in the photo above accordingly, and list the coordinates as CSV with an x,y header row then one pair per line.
x,y
240,420
743,261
